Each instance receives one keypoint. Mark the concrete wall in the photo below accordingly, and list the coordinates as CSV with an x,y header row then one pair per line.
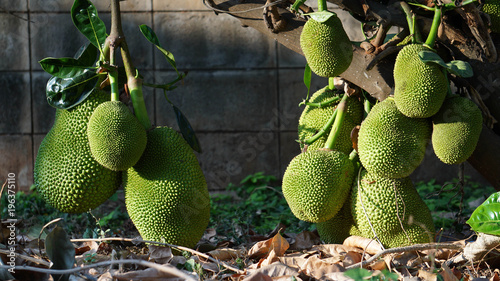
x,y
241,94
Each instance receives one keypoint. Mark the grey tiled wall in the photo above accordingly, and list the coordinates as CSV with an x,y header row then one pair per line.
x,y
241,94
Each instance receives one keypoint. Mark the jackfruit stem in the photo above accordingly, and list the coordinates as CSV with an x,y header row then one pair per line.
x,y
323,130
331,83
134,83
113,75
339,119
322,5
320,104
436,22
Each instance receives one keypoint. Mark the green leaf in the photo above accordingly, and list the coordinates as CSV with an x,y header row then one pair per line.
x,y
86,20
64,93
307,79
460,68
62,67
87,54
486,217
457,67
60,251
358,273
151,36
186,129
322,16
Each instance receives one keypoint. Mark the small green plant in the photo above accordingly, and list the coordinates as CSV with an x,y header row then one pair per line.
x,y
256,204
451,206
90,258
361,274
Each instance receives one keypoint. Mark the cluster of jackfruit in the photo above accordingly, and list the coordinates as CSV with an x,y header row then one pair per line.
x,y
98,145
321,186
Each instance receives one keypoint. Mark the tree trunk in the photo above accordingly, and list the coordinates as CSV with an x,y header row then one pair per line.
x,y
462,34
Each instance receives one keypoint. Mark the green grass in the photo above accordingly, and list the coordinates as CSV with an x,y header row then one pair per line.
x,y
450,205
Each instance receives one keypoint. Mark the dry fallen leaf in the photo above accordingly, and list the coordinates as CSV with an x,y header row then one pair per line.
x,y
351,258
305,240
448,274
225,254
426,275
161,255
317,267
263,248
370,246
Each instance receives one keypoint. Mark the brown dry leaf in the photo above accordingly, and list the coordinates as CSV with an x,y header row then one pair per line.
x,y
225,254
335,250
351,258
146,275
444,254
294,259
317,267
370,246
495,276
305,240
277,269
379,265
263,248
447,274
161,255
426,275
258,276
272,257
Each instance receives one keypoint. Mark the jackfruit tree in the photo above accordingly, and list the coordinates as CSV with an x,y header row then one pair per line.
x,y
102,138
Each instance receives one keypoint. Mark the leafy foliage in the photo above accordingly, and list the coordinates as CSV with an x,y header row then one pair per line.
x,y
257,205
449,209
486,218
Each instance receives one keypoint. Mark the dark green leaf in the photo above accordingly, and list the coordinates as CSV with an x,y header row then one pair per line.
x,y
186,129
457,67
322,16
60,251
87,54
460,68
486,217
358,273
307,79
63,67
151,36
64,93
85,18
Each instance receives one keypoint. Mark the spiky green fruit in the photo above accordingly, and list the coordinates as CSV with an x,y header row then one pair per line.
x,y
316,184
313,119
166,193
456,130
116,137
65,173
326,46
393,209
419,88
389,143
338,228
492,8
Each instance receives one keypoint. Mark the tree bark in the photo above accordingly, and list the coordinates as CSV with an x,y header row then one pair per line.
x,y
455,39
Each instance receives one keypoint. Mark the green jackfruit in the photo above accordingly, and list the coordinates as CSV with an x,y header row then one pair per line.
x,y
313,119
316,184
456,130
393,208
116,137
166,193
338,228
419,88
389,143
492,8
65,173
326,47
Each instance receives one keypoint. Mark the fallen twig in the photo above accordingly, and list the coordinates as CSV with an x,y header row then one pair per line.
x,y
416,247
232,268
166,268
28,258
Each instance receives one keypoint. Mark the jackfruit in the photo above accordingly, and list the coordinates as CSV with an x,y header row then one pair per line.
x,y
326,47
166,193
492,8
116,137
419,88
456,130
338,228
316,184
65,173
313,119
393,209
389,143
